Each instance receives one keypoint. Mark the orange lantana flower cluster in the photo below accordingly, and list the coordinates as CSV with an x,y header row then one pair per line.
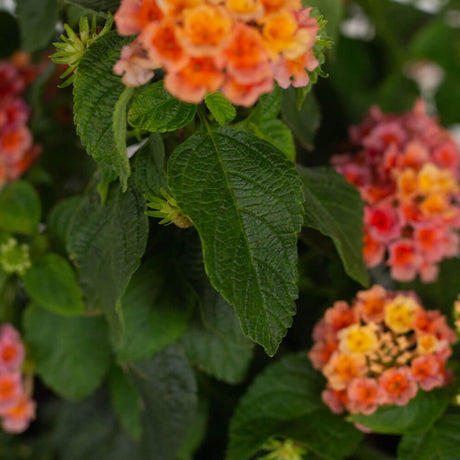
x,y
237,46
406,168
380,350
17,148
17,409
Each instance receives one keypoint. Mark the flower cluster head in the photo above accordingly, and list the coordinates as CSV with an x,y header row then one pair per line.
x,y
17,148
237,46
380,350
406,169
17,409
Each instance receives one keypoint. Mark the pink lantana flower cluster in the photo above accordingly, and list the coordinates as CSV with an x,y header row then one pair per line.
x,y
237,46
407,169
380,350
17,409
17,148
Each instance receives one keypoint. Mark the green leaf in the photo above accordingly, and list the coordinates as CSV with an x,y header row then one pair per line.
x,y
268,107
126,402
156,308
119,130
150,167
244,198
97,92
155,110
106,242
278,134
51,283
71,355
59,220
98,5
304,123
284,400
20,208
441,441
418,415
9,35
222,110
334,207
37,22
214,341
169,396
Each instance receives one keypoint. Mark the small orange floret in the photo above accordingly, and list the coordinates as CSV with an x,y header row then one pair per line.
x,y
206,29
192,82
163,46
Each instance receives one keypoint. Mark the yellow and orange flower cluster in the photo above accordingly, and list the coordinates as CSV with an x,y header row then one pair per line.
x,y
380,350
237,46
407,169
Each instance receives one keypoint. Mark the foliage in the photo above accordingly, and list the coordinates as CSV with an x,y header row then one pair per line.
x,y
166,260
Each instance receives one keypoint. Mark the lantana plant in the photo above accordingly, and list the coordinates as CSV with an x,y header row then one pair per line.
x,y
197,261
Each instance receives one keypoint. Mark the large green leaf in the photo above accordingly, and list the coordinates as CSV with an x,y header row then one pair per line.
x,y
214,341
441,441
168,390
106,242
52,284
156,308
285,401
37,21
245,200
71,355
155,110
334,207
416,416
97,91
150,167
20,208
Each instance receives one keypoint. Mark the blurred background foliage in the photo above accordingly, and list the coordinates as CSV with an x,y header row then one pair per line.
x,y
387,53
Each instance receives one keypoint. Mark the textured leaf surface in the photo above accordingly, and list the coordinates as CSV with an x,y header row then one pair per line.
x,y
169,398
285,401
156,308
155,110
245,200
278,134
106,242
222,110
119,131
441,441
71,355
52,284
150,167
214,341
418,415
20,208
97,91
334,207
37,21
